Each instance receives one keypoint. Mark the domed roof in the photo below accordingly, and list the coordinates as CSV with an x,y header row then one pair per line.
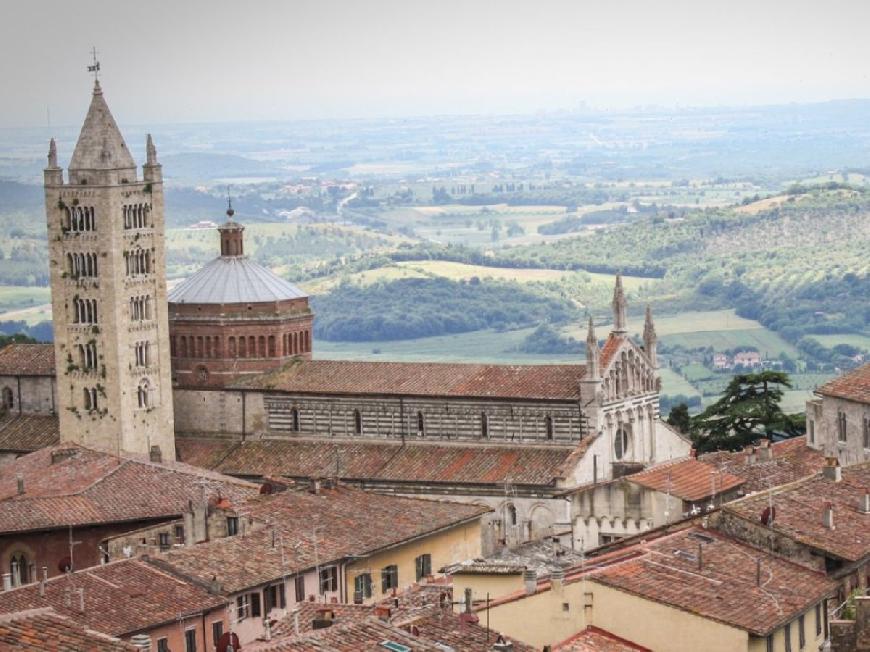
x,y
234,279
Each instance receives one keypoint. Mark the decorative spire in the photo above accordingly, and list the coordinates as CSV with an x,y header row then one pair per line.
x,y
619,306
100,145
52,154
150,151
593,354
649,336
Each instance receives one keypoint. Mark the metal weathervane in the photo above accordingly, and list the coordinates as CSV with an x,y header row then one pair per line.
x,y
95,68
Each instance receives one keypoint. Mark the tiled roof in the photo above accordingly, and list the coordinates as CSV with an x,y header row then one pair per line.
x,y
854,385
611,346
84,487
790,460
723,586
390,461
351,522
42,630
800,506
534,382
203,452
418,619
236,279
28,432
594,639
120,598
27,360
689,479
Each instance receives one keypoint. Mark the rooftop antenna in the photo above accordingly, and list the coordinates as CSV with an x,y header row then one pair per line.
x,y
95,67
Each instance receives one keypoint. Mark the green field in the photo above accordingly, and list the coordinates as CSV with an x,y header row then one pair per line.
x,y
674,384
852,339
767,342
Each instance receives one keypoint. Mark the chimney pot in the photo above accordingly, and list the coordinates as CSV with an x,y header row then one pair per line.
x,y
20,480
865,503
828,516
530,579
7,581
468,600
832,470
765,452
315,486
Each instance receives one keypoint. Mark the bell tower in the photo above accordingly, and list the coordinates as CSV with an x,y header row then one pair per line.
x,y
108,292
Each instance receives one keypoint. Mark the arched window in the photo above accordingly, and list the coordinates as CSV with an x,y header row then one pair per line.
x,y
19,568
90,399
511,515
232,343
143,392
262,349
484,425
421,424
307,343
357,422
252,346
272,351
294,416
8,398
548,423
243,351
622,442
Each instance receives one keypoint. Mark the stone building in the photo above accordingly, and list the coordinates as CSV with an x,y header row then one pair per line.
x,y
235,318
838,418
106,251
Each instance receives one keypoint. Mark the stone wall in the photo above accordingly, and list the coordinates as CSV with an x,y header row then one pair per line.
x,y
823,419
30,394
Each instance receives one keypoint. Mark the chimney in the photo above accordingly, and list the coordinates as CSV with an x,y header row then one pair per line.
x,y
765,452
530,579
828,515
503,645
141,642
693,453
315,486
865,503
323,619
82,600
20,480
831,470
750,454
468,600
557,580
155,455
43,581
7,581
187,520
383,613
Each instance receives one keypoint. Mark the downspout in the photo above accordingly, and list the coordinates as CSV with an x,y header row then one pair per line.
x,y
402,419
18,378
244,415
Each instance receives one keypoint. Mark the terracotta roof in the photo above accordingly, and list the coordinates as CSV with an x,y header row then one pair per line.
x,y
611,346
351,523
534,382
42,630
203,452
418,619
666,570
790,460
689,479
28,432
800,506
594,639
854,385
120,598
27,360
84,487
391,461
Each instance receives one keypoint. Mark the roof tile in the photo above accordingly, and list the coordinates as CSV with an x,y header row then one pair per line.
x,y
27,360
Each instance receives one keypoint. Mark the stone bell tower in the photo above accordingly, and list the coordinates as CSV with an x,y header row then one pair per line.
x,y
108,292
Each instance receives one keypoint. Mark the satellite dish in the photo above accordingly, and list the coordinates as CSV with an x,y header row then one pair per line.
x,y
768,516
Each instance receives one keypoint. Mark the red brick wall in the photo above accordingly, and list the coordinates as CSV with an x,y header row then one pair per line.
x,y
213,345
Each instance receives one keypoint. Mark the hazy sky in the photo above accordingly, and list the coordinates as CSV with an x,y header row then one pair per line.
x,y
212,60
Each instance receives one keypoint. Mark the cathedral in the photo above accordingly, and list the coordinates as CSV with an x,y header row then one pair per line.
x,y
219,372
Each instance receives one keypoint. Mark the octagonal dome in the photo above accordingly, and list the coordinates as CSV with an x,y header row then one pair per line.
x,y
234,279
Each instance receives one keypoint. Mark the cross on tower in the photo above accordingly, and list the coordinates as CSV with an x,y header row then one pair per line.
x,y
95,68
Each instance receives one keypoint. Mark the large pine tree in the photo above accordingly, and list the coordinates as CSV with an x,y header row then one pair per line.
x,y
747,411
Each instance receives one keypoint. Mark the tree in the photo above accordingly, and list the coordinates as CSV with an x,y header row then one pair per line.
x,y
679,418
747,411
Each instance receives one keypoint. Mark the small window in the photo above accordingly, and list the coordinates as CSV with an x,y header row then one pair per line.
x,y
8,398
818,620
294,416
232,526
179,534
299,586
217,630
484,425
787,634
841,426
163,538
421,424
769,643
243,607
357,422
162,645
328,579
389,578
621,442
548,423
511,515
362,587
190,640
423,566
256,612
